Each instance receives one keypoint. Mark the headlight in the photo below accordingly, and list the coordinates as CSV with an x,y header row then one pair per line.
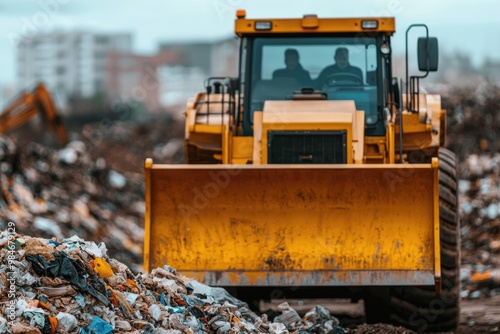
x,y
385,49
263,25
369,24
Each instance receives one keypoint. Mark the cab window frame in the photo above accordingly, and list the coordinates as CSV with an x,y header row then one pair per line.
x,y
252,43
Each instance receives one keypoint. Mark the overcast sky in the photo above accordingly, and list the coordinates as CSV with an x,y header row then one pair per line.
x,y
471,26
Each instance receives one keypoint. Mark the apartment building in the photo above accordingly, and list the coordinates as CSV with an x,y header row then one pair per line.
x,y
70,63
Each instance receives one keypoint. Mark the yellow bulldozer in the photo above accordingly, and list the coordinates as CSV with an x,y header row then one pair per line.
x,y
316,172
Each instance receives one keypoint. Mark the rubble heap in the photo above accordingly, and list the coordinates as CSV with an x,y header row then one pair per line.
x,y
473,125
74,190
59,193
473,119
479,188
72,286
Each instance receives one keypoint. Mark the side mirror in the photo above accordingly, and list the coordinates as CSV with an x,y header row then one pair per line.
x,y
428,54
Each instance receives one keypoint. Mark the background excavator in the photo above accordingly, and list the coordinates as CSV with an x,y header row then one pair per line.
x,y
29,104
339,186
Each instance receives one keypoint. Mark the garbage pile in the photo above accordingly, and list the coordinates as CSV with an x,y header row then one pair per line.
x,y
479,189
473,119
59,193
84,188
73,286
473,125
126,145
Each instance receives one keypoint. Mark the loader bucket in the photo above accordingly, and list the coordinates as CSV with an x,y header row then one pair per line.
x,y
294,225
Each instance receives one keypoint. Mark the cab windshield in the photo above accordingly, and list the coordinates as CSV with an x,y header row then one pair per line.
x,y
345,68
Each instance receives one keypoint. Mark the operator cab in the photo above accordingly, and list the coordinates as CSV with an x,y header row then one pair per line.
x,y
340,64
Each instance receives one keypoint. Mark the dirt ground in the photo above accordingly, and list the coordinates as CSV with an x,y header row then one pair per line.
x,y
477,316
480,316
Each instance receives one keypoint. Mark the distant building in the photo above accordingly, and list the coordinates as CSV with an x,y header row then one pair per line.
x,y
219,58
196,54
87,65
70,63
197,61
178,83
491,71
224,58
131,77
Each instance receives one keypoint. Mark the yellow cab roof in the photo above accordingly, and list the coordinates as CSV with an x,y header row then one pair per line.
x,y
312,24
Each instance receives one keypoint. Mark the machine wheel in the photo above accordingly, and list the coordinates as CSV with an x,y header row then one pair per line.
x,y
420,308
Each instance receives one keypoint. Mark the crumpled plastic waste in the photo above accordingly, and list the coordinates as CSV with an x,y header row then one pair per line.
x,y
36,319
3,325
70,270
103,268
71,297
317,320
66,321
24,329
99,326
288,316
277,328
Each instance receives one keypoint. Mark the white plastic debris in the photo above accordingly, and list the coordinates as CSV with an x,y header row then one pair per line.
x,y
277,328
74,239
48,226
77,145
116,180
68,155
131,297
155,312
493,211
93,249
463,186
66,321
3,325
167,284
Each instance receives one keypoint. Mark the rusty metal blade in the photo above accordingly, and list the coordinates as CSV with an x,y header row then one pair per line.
x,y
293,224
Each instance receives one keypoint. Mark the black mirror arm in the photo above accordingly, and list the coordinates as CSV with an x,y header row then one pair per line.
x,y
427,73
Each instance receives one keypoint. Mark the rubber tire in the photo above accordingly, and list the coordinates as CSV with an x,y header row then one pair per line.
x,y
420,308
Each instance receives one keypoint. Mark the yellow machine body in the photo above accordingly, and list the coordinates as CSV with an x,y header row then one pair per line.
x,y
231,217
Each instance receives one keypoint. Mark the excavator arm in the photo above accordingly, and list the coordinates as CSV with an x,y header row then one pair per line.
x,y
28,105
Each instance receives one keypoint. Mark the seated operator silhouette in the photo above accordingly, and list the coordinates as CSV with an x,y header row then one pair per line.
x,y
341,70
293,69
